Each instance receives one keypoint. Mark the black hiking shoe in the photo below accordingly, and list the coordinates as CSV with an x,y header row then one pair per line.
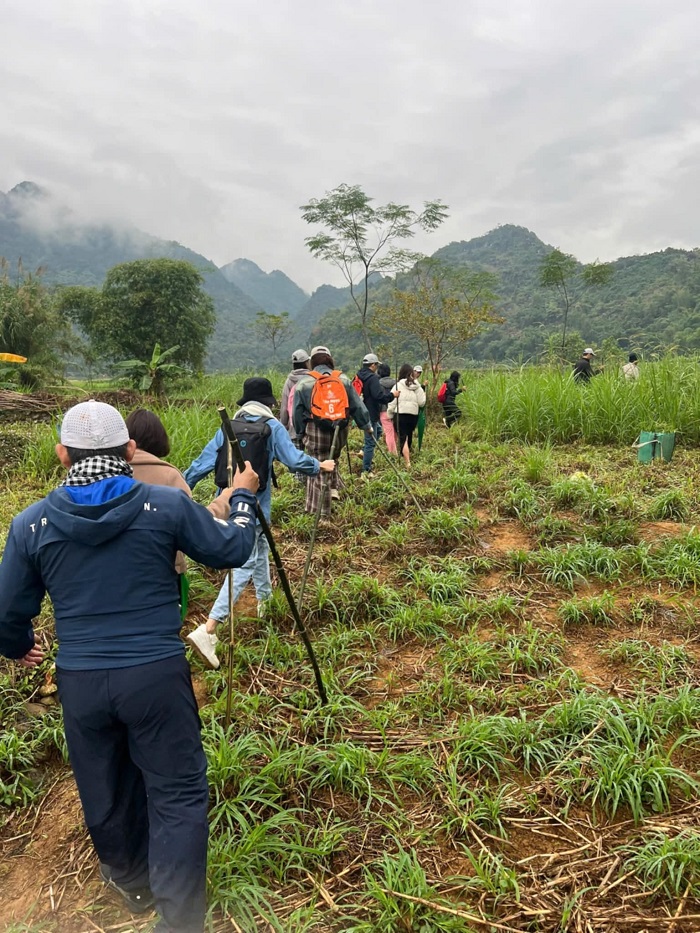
x,y
138,901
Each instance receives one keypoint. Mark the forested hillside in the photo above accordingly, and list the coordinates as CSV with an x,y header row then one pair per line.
x,y
44,235
651,301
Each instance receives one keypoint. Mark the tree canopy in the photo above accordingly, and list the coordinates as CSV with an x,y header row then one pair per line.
x,y
142,303
442,309
361,238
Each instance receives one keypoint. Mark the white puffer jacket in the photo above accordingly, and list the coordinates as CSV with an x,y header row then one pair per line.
x,y
410,400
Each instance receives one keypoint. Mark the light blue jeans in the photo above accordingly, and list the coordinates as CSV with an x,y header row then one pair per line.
x,y
256,568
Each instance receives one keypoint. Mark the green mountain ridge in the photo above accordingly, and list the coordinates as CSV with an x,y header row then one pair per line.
x,y
652,300
273,291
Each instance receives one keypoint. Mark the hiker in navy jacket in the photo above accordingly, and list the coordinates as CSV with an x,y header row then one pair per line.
x,y
374,395
103,546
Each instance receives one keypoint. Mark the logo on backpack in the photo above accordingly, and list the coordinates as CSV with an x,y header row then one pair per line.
x,y
252,437
442,393
329,400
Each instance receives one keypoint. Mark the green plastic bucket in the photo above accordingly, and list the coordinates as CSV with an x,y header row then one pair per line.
x,y
654,445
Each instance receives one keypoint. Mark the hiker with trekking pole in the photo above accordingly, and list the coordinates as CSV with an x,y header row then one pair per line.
x,y
323,401
102,545
367,384
263,439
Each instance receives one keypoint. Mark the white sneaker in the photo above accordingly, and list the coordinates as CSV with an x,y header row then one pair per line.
x,y
205,645
262,607
335,494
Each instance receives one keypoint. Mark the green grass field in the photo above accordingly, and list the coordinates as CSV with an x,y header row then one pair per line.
x,y
511,741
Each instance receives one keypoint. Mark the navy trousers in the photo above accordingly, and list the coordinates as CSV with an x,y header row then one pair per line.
x,y
134,742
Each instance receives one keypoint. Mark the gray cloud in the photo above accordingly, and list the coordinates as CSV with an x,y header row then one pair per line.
x,y
211,124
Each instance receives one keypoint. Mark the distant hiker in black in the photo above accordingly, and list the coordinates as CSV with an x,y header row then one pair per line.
x,y
450,408
583,371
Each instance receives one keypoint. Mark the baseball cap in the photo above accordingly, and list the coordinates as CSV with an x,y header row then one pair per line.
x,y
315,350
417,369
257,389
369,359
93,426
589,350
300,356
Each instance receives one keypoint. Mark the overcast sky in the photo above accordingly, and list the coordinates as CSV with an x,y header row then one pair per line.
x,y
211,122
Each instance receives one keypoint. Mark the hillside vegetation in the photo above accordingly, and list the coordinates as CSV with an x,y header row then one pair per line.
x,y
651,301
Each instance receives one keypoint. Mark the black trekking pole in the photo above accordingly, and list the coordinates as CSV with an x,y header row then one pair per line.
x,y
281,572
317,516
396,470
229,675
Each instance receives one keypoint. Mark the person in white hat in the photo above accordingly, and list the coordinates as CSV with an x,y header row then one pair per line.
x,y
103,546
300,368
374,395
583,371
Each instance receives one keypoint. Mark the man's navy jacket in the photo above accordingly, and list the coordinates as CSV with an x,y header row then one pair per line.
x,y
109,568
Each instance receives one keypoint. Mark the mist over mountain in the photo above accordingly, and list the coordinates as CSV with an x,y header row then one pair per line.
x,y
43,234
651,300
274,291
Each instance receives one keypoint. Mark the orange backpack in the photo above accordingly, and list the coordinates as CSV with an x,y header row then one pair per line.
x,y
329,400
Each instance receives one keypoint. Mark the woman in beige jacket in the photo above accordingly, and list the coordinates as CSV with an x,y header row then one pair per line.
x,y
152,443
406,407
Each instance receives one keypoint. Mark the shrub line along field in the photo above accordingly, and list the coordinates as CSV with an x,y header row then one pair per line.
x,y
511,741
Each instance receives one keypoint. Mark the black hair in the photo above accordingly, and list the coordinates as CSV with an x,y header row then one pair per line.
x,y
76,454
146,428
455,376
406,372
383,370
322,359
633,357
304,365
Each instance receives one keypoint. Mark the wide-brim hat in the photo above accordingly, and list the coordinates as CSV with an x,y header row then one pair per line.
x,y
257,389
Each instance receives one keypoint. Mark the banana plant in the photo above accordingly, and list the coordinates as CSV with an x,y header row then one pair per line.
x,y
149,376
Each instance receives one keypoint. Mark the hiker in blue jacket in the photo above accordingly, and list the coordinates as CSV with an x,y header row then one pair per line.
x,y
103,546
255,406
374,395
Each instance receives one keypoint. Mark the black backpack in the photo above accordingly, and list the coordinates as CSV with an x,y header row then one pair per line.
x,y
252,437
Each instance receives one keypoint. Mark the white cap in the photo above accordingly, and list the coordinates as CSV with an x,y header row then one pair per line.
x,y
93,426
417,369
300,356
369,359
589,350
315,350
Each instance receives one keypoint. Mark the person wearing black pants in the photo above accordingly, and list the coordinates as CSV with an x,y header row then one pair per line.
x,y
142,780
450,407
405,407
103,546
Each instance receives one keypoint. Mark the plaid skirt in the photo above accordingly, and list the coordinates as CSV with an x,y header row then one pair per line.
x,y
317,443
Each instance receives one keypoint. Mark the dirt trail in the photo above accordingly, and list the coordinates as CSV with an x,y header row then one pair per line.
x,y
48,871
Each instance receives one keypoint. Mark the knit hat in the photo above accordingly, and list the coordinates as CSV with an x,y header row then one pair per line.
x,y
257,389
300,356
93,426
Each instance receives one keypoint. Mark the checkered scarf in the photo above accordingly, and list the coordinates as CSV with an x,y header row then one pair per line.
x,y
93,469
